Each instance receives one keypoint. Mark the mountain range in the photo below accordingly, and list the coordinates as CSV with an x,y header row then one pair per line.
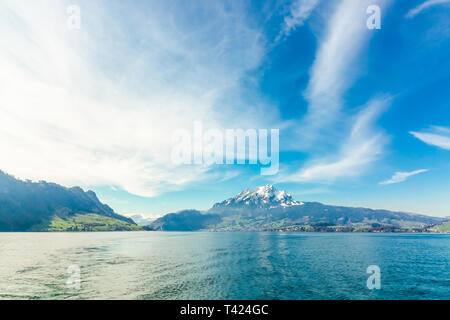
x,y
269,209
43,206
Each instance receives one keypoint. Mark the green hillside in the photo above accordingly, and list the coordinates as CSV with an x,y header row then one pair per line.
x,y
85,222
441,228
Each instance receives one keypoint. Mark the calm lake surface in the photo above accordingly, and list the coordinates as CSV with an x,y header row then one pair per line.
x,y
156,265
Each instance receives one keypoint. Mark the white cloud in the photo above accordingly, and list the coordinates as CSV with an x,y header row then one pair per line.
x,y
364,145
402,176
335,68
323,132
98,106
415,11
438,137
299,12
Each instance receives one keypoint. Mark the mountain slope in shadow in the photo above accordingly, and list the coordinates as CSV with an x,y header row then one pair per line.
x,y
43,206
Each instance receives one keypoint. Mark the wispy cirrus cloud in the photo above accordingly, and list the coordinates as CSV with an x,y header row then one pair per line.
x,y
334,69
299,12
400,176
415,11
364,145
325,125
436,136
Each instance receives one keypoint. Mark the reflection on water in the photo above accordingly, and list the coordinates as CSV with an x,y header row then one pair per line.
x,y
155,265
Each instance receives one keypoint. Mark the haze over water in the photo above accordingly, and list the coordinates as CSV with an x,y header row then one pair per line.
x,y
201,265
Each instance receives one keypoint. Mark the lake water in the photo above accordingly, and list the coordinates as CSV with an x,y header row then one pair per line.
x,y
156,265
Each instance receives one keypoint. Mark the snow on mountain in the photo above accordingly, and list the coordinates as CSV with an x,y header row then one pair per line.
x,y
262,197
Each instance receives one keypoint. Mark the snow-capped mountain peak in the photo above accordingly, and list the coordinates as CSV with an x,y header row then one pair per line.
x,y
262,197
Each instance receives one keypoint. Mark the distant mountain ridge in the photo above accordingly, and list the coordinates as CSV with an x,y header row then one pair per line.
x,y
34,206
267,208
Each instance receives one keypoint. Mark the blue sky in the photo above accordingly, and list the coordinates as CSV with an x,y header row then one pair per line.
x,y
363,114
